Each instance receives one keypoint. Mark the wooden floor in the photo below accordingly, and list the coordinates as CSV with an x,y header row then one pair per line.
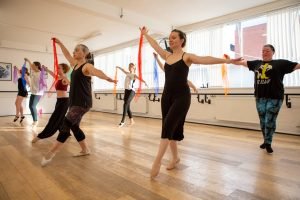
x,y
216,163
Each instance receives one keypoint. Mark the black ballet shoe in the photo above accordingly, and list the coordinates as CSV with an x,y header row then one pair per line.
x,y
262,146
269,148
21,120
16,118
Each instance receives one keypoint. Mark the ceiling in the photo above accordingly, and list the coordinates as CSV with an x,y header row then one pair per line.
x,y
103,23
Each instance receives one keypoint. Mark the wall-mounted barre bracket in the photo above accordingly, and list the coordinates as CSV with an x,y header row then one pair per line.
x,y
97,96
205,100
119,96
288,102
155,98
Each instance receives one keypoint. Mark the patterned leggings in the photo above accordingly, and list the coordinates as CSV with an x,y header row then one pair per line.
x,y
268,110
72,122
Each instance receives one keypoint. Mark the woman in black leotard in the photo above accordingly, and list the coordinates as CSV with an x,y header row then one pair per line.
x,y
176,98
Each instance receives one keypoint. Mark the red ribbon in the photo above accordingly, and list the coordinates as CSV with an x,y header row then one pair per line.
x,y
140,67
55,66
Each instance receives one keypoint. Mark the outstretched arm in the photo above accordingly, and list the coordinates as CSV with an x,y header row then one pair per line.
x,y
135,76
164,54
90,70
191,85
240,62
66,53
159,62
123,70
205,60
297,67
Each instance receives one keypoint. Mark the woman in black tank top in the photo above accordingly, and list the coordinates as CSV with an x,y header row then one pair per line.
x,y
80,98
176,98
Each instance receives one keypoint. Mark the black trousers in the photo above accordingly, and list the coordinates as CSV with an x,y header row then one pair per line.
x,y
128,96
56,119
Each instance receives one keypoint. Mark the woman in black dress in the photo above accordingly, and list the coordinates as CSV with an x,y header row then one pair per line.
x,y
176,97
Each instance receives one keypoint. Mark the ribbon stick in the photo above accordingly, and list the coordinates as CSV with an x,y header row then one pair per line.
x,y
15,76
140,67
155,77
55,66
224,76
115,85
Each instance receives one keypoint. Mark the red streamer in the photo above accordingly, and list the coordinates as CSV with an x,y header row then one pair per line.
x,y
140,67
55,66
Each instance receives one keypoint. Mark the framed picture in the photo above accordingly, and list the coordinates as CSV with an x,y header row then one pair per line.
x,y
5,71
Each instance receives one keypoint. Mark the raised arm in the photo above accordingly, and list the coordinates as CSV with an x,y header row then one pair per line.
x,y
66,53
191,85
90,70
159,62
48,71
164,54
32,66
123,70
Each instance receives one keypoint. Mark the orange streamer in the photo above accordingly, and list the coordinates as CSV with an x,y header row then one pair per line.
x,y
224,76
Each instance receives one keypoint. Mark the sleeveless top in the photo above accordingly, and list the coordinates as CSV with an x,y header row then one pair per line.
x,y
129,81
176,77
80,89
60,86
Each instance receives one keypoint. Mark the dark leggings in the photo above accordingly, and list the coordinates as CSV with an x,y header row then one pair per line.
x,y
129,94
72,122
33,101
56,119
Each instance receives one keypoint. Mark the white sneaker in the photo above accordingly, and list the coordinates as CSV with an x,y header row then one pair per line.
x,y
35,123
121,124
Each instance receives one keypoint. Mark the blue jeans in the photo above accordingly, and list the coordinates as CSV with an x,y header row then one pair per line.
x,y
33,101
268,110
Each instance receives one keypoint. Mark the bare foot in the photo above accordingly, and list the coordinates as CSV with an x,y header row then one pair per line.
x,y
155,169
35,139
132,122
173,164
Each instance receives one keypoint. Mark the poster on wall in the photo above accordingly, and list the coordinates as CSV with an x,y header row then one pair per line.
x,y
5,71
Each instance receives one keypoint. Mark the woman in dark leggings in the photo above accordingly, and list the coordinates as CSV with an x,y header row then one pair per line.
x,y
80,99
62,103
269,89
129,92
36,93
